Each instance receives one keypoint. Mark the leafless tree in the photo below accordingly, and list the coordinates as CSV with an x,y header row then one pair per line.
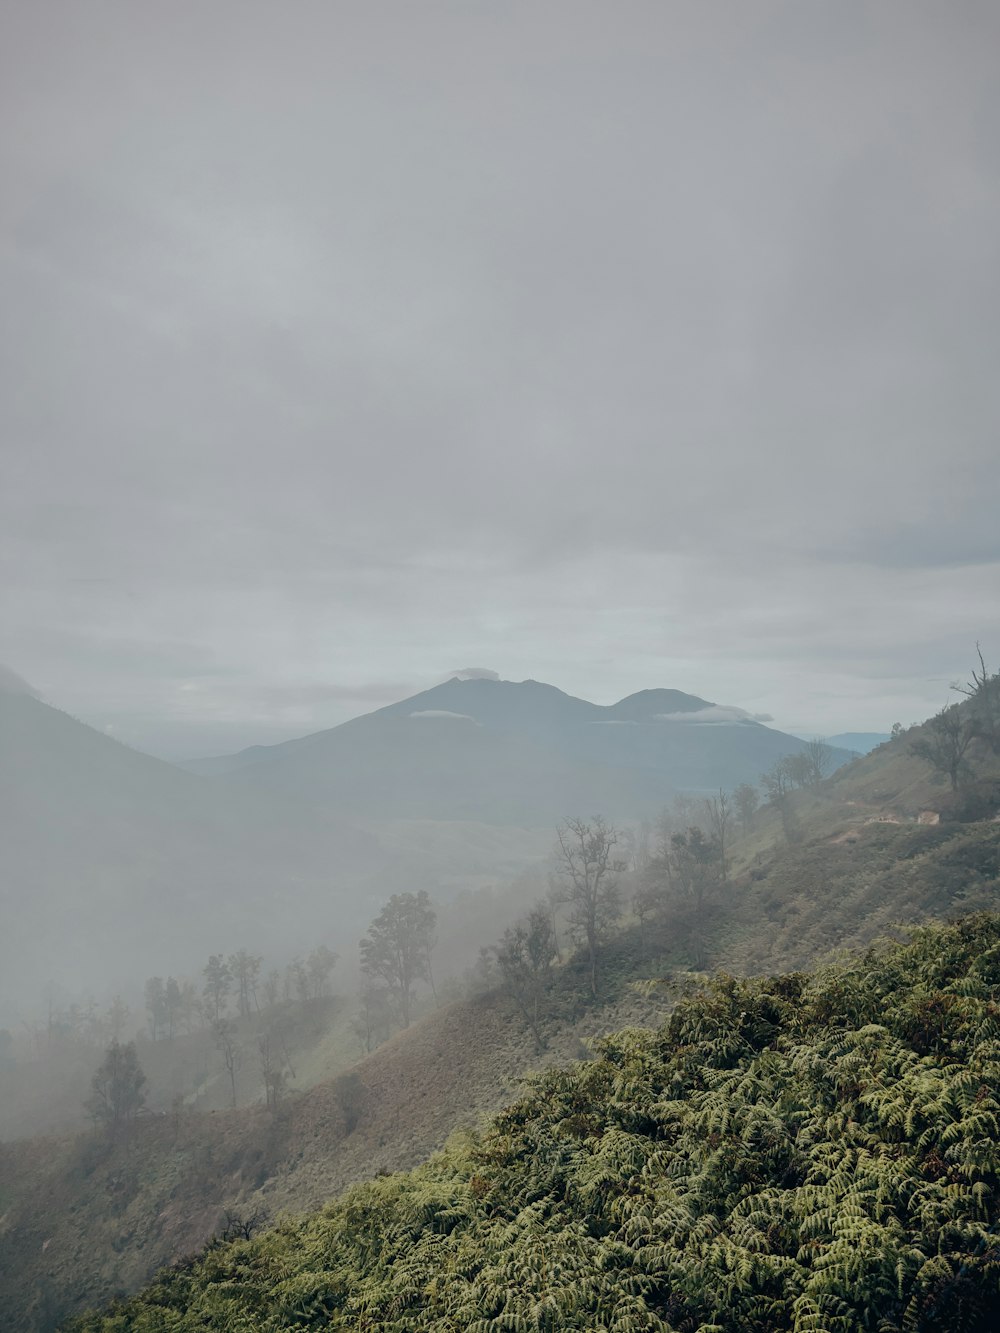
x,y
232,1054
747,800
720,817
587,871
524,959
948,736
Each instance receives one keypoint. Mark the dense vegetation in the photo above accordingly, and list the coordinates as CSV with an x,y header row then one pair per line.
x,y
807,1152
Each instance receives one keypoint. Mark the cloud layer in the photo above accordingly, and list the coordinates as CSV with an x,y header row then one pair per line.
x,y
632,347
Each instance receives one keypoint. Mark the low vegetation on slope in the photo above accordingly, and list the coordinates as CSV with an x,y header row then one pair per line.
x,y
803,1152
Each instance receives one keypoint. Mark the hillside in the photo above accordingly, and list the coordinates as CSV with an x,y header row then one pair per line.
x,y
172,1184
806,1151
114,861
850,875
82,1218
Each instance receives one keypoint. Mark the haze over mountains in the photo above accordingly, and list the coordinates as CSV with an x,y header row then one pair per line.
x,y
117,864
860,742
507,752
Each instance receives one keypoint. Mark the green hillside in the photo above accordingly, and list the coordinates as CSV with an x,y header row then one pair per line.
x,y
802,1152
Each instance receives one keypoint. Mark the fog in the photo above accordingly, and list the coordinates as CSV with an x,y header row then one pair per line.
x,y
615,348
644,353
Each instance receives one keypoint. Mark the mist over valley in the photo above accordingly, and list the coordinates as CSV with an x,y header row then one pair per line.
x,y
647,977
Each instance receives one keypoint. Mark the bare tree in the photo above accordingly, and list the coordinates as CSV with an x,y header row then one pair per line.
x,y
983,694
776,782
272,1068
588,871
244,969
524,958
224,1032
720,816
242,1226
695,869
319,965
116,1018
820,757
747,800
155,1006
949,734
218,981
172,1004
116,1089
272,988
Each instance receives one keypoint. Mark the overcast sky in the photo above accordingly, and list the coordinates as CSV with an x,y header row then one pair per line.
x,y
619,345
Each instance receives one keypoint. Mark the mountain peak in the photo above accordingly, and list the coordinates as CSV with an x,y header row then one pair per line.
x,y
647,704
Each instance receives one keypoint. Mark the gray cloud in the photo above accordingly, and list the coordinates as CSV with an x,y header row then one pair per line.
x,y
631,348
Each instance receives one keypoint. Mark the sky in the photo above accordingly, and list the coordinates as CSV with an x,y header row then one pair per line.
x,y
619,346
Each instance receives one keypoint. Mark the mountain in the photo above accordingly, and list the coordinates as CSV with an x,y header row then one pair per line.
x,y
119,866
115,862
514,753
860,742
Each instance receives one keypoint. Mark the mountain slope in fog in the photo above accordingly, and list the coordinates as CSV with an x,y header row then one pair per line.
x,y
859,742
844,883
114,861
118,865
514,752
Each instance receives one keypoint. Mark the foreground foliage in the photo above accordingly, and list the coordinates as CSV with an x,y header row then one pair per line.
x,y
808,1152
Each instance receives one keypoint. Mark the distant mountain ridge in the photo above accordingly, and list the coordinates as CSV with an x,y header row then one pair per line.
x,y
514,752
861,742
522,704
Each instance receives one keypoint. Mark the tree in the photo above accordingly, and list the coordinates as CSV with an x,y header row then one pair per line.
x,y
309,977
272,1068
224,1032
319,965
156,1005
397,947
948,736
116,1018
820,758
777,781
587,872
218,981
983,694
747,800
272,988
244,969
524,958
777,784
696,876
116,1089
173,1004
799,769
720,813
647,900
187,1006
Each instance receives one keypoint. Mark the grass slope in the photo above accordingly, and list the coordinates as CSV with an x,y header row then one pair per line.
x,y
802,1152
